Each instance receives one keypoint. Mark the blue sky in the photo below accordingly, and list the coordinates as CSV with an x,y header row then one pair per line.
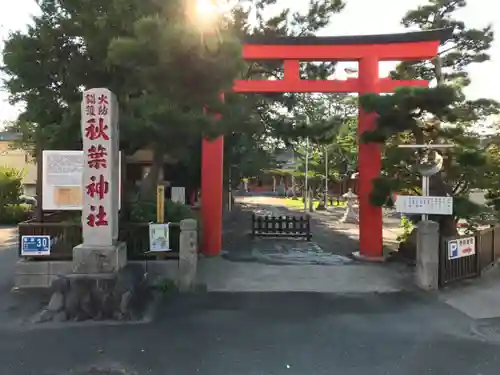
x,y
357,18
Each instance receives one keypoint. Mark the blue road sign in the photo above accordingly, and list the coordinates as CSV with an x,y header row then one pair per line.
x,y
452,249
35,245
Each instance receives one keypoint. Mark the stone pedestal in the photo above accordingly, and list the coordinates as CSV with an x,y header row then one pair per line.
x,y
350,214
122,295
92,260
188,255
427,269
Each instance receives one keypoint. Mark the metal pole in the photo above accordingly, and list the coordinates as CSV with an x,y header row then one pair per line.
x,y
230,191
425,192
306,192
326,177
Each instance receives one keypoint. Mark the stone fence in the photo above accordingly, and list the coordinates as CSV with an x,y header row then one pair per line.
x,y
39,273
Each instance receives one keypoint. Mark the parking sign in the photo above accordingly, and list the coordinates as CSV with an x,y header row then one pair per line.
x,y
461,247
452,249
35,245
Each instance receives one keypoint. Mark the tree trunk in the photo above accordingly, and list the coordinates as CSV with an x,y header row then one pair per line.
x,y
439,187
39,182
148,185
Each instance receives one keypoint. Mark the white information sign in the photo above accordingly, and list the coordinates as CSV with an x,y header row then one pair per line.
x,y
178,194
159,237
62,180
429,205
461,247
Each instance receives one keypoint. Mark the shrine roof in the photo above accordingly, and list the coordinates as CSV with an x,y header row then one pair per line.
x,y
416,36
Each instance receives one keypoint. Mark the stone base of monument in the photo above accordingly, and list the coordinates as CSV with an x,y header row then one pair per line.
x,y
123,295
99,259
350,216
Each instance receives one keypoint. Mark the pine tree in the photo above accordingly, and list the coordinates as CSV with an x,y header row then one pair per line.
x,y
437,115
163,69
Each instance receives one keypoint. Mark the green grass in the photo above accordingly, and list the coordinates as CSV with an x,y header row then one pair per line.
x,y
298,204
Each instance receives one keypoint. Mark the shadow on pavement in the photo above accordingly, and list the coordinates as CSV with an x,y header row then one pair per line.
x,y
237,239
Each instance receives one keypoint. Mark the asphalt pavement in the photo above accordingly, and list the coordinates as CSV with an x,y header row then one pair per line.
x,y
257,333
267,333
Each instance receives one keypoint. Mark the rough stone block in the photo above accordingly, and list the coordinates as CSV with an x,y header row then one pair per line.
x,y
25,267
31,281
96,260
60,267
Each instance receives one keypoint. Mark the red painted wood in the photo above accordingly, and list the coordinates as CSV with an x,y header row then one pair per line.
x,y
310,86
369,167
347,86
212,159
384,52
211,195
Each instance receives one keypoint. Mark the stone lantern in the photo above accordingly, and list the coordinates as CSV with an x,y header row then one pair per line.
x,y
350,214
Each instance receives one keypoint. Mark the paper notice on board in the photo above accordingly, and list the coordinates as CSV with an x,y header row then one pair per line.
x,y
64,169
68,196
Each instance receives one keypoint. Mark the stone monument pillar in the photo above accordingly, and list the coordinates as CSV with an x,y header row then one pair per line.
x,y
350,214
100,252
188,255
427,270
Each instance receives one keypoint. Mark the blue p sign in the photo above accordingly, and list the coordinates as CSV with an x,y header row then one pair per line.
x,y
452,249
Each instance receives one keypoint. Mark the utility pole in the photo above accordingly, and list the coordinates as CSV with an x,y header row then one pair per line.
x,y
230,190
326,177
306,191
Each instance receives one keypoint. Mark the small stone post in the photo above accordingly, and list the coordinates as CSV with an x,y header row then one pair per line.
x,y
310,196
188,255
427,271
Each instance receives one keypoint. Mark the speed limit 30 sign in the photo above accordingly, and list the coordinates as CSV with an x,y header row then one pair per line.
x,y
35,245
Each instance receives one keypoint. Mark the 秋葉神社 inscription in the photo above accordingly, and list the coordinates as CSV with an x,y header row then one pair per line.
x,y
100,168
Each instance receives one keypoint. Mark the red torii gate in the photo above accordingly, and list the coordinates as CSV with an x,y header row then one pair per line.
x,y
368,50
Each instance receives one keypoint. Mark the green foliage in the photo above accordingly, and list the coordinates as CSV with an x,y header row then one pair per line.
x,y
416,116
466,46
10,186
407,227
144,211
382,191
438,115
165,286
13,214
406,110
163,68
464,208
326,121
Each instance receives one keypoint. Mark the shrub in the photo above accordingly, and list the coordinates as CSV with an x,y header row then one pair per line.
x,y
11,214
10,186
144,211
407,227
